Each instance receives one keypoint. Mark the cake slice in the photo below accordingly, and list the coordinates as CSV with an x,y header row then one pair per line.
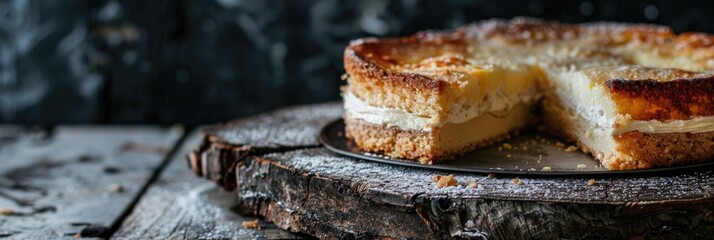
x,y
423,98
633,117
633,96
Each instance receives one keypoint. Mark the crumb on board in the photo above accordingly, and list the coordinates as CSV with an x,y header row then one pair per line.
x,y
559,144
344,77
531,169
582,166
508,155
517,181
472,184
591,182
507,146
445,181
491,176
571,148
6,211
546,168
115,188
254,224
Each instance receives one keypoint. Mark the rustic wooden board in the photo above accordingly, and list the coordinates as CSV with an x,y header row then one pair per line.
x,y
181,206
290,128
75,181
313,191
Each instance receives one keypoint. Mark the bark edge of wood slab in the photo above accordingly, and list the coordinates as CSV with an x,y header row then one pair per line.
x,y
285,129
302,187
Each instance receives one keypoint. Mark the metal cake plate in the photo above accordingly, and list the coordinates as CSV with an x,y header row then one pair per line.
x,y
532,154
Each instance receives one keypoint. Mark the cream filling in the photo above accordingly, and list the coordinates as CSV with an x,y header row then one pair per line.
x,y
456,137
699,124
496,103
624,123
390,117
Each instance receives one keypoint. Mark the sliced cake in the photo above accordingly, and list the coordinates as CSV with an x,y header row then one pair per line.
x,y
633,96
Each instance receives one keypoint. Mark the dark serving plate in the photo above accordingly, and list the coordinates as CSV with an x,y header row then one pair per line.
x,y
528,157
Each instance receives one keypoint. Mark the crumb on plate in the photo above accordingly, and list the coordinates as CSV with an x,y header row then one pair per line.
x,y
571,148
507,146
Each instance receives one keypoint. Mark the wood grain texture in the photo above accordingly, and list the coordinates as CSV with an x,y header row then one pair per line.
x,y
181,206
290,128
75,181
313,191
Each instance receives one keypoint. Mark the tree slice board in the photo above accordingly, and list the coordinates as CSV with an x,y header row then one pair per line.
x,y
181,206
302,187
290,128
75,181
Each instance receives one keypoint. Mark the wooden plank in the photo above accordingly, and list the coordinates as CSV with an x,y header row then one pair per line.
x,y
335,197
180,205
288,128
76,181
305,188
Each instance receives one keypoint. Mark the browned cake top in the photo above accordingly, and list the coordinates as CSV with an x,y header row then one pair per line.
x,y
673,85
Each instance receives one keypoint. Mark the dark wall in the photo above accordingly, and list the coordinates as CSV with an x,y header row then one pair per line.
x,y
191,62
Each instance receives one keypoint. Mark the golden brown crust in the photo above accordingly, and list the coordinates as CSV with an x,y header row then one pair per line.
x,y
649,99
369,61
371,58
521,30
394,142
648,150
409,144
378,62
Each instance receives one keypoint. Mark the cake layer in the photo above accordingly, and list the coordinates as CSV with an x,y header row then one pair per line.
x,y
592,94
629,150
617,82
468,87
441,142
461,111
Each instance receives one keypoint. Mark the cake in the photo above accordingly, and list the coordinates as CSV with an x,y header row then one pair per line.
x,y
632,96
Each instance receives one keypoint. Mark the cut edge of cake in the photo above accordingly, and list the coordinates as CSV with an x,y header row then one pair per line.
x,y
371,62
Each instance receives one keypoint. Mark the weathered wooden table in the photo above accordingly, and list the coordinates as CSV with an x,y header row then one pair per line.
x,y
121,182
133,182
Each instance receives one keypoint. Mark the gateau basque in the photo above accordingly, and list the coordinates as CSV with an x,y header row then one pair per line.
x,y
633,96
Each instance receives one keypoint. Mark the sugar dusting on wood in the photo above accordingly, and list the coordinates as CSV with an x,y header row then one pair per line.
x,y
297,126
328,196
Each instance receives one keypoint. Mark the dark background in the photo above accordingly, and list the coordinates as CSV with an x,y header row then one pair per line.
x,y
192,62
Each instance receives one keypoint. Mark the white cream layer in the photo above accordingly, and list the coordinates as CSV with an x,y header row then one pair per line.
x,y
391,117
595,105
495,103
699,124
624,123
